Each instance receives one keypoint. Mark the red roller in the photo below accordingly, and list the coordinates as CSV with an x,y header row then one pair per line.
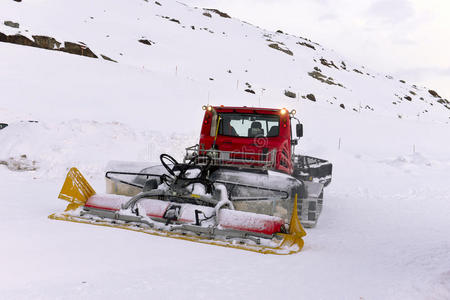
x,y
231,219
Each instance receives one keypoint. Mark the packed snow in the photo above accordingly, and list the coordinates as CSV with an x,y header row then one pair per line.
x,y
384,230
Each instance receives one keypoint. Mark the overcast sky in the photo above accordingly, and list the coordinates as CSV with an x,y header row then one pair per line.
x,y
409,39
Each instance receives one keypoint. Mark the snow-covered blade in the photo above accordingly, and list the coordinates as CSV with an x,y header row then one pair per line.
x,y
224,227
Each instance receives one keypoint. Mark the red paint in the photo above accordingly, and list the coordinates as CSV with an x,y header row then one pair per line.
x,y
282,142
231,219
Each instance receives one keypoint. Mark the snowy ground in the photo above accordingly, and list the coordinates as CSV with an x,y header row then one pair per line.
x,y
383,233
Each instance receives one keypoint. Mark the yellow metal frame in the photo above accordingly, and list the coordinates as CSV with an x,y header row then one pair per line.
x,y
76,190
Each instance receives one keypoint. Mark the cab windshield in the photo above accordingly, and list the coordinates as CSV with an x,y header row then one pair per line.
x,y
249,125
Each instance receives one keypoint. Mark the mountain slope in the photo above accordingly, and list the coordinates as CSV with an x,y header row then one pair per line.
x,y
220,53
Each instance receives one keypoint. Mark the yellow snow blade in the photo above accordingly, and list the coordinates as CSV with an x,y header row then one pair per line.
x,y
296,232
77,190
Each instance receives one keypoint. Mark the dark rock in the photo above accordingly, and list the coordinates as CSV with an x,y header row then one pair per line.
x,y
402,81
322,78
222,14
358,71
3,37
174,20
46,42
18,0
157,3
20,40
408,98
412,93
107,58
290,94
306,45
250,91
311,97
342,105
279,31
210,78
49,43
329,64
207,14
317,69
11,24
3,125
434,94
277,47
146,42
78,49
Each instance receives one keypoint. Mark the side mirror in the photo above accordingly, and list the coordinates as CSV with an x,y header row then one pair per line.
x,y
299,130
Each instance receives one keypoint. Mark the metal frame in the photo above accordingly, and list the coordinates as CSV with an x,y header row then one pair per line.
x,y
308,168
108,175
222,158
206,232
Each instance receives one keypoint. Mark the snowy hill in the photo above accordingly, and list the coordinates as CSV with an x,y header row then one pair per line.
x,y
206,48
384,230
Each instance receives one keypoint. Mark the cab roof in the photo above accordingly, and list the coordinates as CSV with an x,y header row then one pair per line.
x,y
245,109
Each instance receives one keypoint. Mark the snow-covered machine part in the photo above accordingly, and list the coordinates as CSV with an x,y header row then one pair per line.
x,y
171,209
314,169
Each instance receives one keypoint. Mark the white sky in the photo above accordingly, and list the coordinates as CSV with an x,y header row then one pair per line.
x,y
409,39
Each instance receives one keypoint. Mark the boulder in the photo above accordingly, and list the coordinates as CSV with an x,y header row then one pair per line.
x,y
11,24
311,97
46,42
78,49
20,40
222,14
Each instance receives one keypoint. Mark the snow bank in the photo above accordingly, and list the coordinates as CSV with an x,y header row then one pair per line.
x,y
53,148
